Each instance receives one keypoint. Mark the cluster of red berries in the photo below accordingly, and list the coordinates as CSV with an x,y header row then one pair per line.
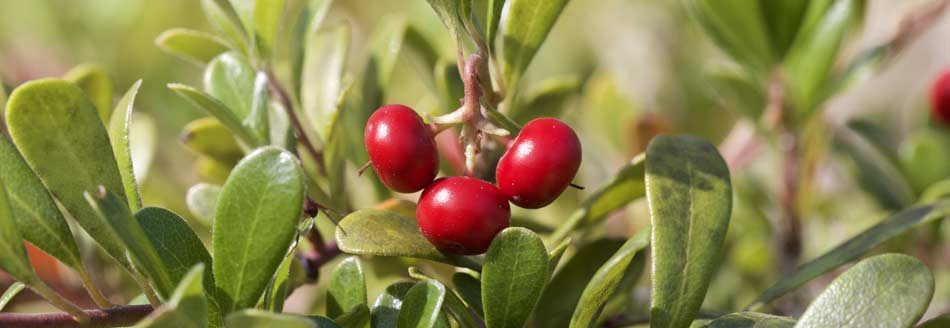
x,y
462,215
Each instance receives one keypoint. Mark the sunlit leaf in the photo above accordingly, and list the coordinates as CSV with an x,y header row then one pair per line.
x,y
194,46
604,282
526,27
208,137
422,305
223,17
347,287
386,308
202,199
513,277
119,125
231,79
751,320
96,83
219,110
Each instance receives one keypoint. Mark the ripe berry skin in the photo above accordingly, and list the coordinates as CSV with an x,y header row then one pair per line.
x,y
539,164
461,215
940,99
401,148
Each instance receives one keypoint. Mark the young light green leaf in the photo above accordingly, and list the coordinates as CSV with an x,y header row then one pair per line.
x,y
323,64
255,223
470,290
61,136
492,21
386,308
113,210
10,293
143,144
514,274
422,305
194,46
309,21
347,287
264,319
223,17
268,16
751,320
231,79
814,52
738,29
219,110
690,198
605,281
783,20
560,297
547,99
527,26
920,154
854,248
187,307
208,137
890,290
35,214
96,83
202,199
384,233
119,136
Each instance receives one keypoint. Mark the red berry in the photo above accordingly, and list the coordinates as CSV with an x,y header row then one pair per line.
x,y
940,99
461,215
539,164
401,148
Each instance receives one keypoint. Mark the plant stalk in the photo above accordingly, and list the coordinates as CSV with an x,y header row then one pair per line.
x,y
73,312
120,316
94,292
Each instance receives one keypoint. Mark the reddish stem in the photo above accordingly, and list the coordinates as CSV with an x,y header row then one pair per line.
x,y
120,316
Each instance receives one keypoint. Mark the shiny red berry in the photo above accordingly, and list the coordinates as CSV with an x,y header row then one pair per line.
x,y
401,148
940,99
461,215
539,164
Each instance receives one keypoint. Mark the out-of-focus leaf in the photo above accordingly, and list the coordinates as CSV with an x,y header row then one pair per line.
x,y
322,78
143,143
492,20
219,110
114,210
231,79
513,277
448,83
119,125
264,319
187,307
347,287
605,281
938,322
782,19
547,99
736,90
738,29
310,20
422,305
255,223
890,290
853,248
202,199
448,12
560,297
223,17
921,155
35,214
384,233
527,25
690,198
268,16
194,46
61,136
10,293
207,136
470,290
96,83
289,276
751,320
877,173
814,51
387,305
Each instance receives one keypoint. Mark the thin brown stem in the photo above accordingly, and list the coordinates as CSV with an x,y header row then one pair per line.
x,y
299,131
121,316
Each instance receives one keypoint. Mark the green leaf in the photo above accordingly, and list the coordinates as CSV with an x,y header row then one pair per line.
x,y
289,276
309,22
323,64
10,293
890,290
119,135
448,12
814,52
735,89
194,46
202,199
547,99
920,154
942,321
61,136
387,305
358,317
224,19
854,248
470,290
738,28
268,16
394,38
96,83
528,24
560,297
783,19
422,305
877,173
176,244
554,257
384,233
13,258
187,307
690,198
604,282
492,21
219,110
515,272
264,319
347,287
113,210
231,79
35,214
255,223
208,137
751,320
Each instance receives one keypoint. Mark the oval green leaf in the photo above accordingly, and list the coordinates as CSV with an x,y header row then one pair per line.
x,y
208,137
13,258
890,290
61,136
492,20
387,305
783,20
255,223
231,79
176,244
119,135
690,198
513,277
560,297
527,26
358,317
422,305
751,320
605,281
96,83
347,287
219,110
223,17
187,307
194,46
